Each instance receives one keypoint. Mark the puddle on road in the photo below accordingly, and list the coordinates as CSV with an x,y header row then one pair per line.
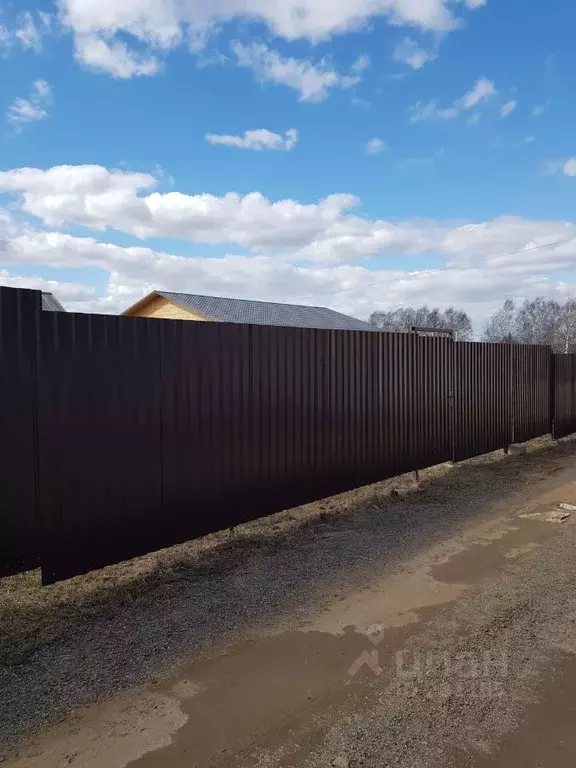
x,y
109,735
264,692
479,560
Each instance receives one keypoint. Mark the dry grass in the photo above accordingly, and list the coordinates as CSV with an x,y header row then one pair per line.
x,y
32,616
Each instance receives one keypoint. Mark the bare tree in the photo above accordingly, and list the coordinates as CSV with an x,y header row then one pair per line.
x,y
501,326
565,340
535,321
406,318
459,322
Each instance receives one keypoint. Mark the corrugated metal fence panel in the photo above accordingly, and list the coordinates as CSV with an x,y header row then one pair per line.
x,y
531,392
432,408
99,440
206,425
19,311
153,432
564,367
373,385
258,419
483,379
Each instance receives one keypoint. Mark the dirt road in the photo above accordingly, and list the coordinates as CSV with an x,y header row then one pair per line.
x,y
396,626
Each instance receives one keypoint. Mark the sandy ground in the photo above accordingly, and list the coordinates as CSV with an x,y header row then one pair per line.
x,y
399,625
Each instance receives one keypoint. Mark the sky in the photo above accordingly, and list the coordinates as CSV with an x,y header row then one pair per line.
x,y
356,154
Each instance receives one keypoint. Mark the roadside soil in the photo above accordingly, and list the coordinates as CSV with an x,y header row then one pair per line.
x,y
404,624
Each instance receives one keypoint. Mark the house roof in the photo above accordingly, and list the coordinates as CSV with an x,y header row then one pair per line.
x,y
227,310
50,303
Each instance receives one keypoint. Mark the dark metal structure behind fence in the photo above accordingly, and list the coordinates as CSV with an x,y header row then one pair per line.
x,y
132,434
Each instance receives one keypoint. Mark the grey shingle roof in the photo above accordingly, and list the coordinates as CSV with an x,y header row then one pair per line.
x,y
227,310
50,303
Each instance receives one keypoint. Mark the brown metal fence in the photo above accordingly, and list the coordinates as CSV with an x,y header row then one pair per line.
x,y
19,311
175,429
99,441
531,392
482,398
432,401
152,432
564,399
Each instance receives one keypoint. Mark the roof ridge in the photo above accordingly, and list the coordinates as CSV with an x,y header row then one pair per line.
x,y
228,309
250,301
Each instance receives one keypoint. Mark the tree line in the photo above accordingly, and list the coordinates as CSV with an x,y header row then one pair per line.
x,y
533,321
406,318
538,321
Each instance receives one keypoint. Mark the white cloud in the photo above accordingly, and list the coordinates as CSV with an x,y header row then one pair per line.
x,y
482,91
46,20
324,232
569,167
164,24
474,119
43,89
356,289
94,197
410,53
9,225
257,139
508,107
361,64
374,146
296,249
311,80
64,290
34,108
28,33
113,58
507,234
431,111
528,139
158,26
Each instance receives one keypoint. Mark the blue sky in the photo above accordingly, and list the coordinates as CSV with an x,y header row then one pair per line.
x,y
421,134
